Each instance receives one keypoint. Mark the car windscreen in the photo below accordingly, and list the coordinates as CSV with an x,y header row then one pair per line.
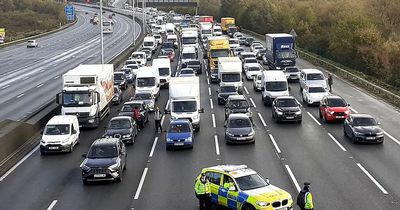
x,y
238,104
250,60
189,40
244,56
103,151
250,182
276,86
130,62
119,124
316,90
219,53
227,89
179,128
189,56
233,41
206,31
56,129
187,71
163,71
239,50
77,99
118,76
184,106
230,77
128,71
286,103
129,107
168,45
132,66
137,56
142,96
146,82
316,76
148,44
193,63
250,39
106,23
336,102
364,121
254,68
292,70
239,123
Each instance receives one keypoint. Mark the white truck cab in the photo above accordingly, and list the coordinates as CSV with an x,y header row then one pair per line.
x,y
188,53
147,80
150,42
273,84
139,57
230,72
61,134
163,66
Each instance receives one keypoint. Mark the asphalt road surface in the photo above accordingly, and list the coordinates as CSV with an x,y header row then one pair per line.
x,y
342,175
31,77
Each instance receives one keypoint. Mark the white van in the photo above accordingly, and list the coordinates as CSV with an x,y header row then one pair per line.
x,y
150,42
61,134
174,39
163,66
147,80
139,57
217,30
273,84
188,53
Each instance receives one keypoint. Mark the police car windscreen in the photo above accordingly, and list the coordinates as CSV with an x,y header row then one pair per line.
x,y
250,182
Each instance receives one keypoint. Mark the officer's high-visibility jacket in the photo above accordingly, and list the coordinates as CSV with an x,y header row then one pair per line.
x,y
202,188
309,202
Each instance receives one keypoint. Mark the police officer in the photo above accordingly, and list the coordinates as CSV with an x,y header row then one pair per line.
x,y
330,82
304,199
203,191
157,119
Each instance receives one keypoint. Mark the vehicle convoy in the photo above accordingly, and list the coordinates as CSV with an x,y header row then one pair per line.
x,y
273,84
184,100
286,108
163,65
216,47
60,134
363,128
239,187
123,128
280,51
147,79
179,134
87,92
227,22
230,72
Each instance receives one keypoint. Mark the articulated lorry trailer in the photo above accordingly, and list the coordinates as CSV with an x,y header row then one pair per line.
x,y
87,92
280,51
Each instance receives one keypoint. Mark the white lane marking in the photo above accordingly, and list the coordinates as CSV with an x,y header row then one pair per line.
x,y
208,81
56,77
204,61
216,144
166,106
141,184
245,90
209,91
353,110
262,119
391,137
298,102
4,87
19,163
176,74
19,96
296,184
211,103
207,73
213,120
52,205
334,139
44,70
275,144
25,78
252,102
40,85
312,117
153,147
162,119
372,179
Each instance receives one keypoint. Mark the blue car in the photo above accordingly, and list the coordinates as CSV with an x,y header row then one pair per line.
x,y
180,134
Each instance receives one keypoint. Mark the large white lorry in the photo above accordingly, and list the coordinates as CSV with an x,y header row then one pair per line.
x,y
230,72
184,99
87,92
190,38
147,79
163,66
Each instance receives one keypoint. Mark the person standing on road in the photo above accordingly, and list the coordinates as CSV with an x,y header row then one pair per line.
x,y
136,116
203,191
304,199
330,82
157,119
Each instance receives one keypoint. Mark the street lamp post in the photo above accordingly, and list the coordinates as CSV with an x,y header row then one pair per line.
x,y
143,15
133,18
101,32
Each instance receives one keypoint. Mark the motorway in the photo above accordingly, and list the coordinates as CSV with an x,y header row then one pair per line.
x,y
342,175
30,77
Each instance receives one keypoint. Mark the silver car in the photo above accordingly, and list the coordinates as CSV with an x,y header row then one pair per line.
x,y
32,43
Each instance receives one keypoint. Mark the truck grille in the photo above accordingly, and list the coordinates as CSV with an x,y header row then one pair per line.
x,y
79,114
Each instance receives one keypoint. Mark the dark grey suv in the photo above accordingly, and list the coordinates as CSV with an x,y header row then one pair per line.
x,y
286,108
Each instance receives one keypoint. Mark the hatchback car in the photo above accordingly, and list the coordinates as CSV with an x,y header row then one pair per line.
x,y
260,53
333,108
251,70
147,98
148,52
118,97
363,128
122,127
187,72
242,40
130,76
248,62
249,41
313,94
286,108
106,160
238,50
292,73
224,91
179,134
257,82
120,80
237,104
239,129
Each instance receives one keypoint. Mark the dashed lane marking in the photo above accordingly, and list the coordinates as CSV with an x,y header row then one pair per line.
x,y
336,141
275,144
312,117
52,205
213,120
141,184
153,147
211,103
372,179
252,102
216,145
294,180
262,120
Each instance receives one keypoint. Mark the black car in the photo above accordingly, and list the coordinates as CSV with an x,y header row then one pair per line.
x,y
122,127
195,65
239,129
286,108
363,128
260,54
237,104
167,45
118,97
128,108
106,160
249,41
120,80
224,91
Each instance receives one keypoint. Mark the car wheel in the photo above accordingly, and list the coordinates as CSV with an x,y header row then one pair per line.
x,y
85,182
42,152
320,114
248,207
71,148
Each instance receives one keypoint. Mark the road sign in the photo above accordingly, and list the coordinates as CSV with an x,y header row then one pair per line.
x,y
293,33
70,12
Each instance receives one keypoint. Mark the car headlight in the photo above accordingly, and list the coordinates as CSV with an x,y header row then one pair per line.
x,y
357,133
279,112
189,139
229,134
262,203
113,167
298,112
65,140
42,141
85,168
331,112
252,133
195,117
168,139
379,133
126,136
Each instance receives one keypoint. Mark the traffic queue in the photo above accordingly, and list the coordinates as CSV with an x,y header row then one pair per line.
x,y
229,58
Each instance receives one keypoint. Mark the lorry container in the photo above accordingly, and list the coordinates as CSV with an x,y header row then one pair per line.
x,y
184,99
216,47
230,72
208,19
280,51
87,92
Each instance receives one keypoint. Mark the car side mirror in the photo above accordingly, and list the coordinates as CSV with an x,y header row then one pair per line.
x,y
74,132
84,155
267,180
201,110
348,104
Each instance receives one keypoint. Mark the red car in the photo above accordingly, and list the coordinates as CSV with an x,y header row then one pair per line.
x,y
334,108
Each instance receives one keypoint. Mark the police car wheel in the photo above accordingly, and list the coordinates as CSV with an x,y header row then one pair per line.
x,y
248,207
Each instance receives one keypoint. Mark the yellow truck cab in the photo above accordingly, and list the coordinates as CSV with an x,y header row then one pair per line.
x,y
217,46
239,187
227,22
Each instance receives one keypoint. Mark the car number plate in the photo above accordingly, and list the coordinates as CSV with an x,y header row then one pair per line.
x,y
53,147
340,117
290,118
179,144
370,138
99,175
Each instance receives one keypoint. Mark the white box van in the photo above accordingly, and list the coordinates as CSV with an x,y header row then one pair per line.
x,y
150,42
61,134
188,53
273,84
147,80
163,66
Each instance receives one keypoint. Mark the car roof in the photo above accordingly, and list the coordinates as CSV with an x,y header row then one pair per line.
x,y
238,116
310,71
253,65
180,121
133,102
285,97
121,118
105,141
333,96
61,119
236,97
361,115
234,170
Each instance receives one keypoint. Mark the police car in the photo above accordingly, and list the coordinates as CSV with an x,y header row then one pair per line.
x,y
246,189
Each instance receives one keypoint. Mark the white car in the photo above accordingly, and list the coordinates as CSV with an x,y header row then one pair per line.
x,y
257,48
252,69
254,45
313,94
249,61
139,57
158,38
133,67
31,43
313,77
237,35
238,50
257,82
233,43
292,73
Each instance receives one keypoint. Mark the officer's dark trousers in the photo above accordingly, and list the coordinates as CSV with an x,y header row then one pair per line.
x,y
204,202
